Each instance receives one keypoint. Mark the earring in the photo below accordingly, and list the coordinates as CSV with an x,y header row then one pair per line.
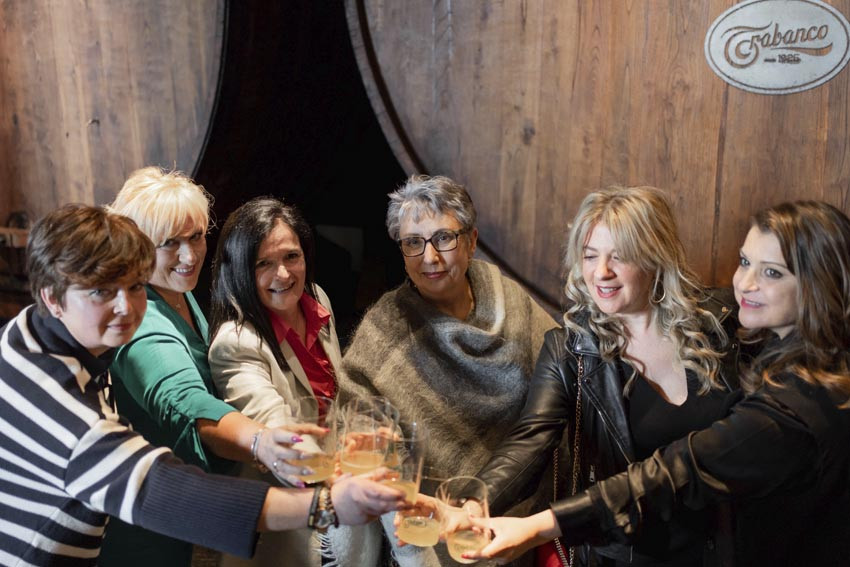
x,y
655,291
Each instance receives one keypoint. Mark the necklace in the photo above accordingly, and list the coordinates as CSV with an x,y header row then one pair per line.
x,y
166,294
178,304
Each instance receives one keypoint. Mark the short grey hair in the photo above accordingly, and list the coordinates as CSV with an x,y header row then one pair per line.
x,y
423,195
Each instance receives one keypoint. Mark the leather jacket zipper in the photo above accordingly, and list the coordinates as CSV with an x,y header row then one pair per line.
x,y
610,429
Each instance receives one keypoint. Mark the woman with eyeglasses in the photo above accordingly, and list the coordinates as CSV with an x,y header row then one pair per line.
x,y
68,460
163,383
454,346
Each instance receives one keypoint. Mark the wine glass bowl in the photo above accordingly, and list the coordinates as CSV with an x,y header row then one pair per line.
x,y
364,440
319,450
420,524
460,497
406,447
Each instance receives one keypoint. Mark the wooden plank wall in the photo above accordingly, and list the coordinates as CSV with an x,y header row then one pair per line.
x,y
533,104
90,91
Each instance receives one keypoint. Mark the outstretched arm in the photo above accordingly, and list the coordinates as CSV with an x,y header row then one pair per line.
x,y
514,536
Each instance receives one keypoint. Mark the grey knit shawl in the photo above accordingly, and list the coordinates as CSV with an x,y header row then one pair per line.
x,y
467,380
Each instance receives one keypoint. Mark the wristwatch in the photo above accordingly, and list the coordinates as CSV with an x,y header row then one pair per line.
x,y
322,513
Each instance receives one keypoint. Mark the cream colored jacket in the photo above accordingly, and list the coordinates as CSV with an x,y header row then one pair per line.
x,y
248,377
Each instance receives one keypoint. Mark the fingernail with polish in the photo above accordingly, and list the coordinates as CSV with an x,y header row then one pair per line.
x,y
296,439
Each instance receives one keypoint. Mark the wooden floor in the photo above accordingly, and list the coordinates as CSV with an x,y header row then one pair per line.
x,y
203,557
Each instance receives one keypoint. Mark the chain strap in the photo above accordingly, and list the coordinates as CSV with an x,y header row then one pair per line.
x,y
576,465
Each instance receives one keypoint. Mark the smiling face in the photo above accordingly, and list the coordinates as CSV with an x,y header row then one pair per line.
x,y
440,277
179,260
765,288
616,287
101,317
280,272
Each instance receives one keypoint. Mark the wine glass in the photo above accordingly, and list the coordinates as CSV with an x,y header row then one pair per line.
x,y
364,440
383,404
319,411
405,457
459,497
420,524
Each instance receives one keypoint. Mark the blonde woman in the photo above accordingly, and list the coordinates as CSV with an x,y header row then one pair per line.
x,y
781,454
641,362
69,461
163,383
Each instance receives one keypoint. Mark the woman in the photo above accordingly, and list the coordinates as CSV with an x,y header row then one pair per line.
x,y
163,382
646,345
782,452
453,347
274,335
68,459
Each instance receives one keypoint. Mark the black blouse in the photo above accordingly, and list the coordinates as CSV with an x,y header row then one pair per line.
x,y
655,422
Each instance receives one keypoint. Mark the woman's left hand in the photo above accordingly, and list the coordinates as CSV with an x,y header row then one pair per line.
x,y
514,536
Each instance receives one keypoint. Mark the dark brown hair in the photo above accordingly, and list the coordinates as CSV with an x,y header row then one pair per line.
x,y
86,246
234,290
815,241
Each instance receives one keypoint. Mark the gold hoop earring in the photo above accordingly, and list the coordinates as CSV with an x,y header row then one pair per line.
x,y
655,292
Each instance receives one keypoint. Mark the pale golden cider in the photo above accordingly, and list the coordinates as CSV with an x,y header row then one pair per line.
x,y
360,462
421,531
464,541
322,465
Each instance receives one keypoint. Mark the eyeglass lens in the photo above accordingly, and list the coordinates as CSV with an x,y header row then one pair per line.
x,y
442,241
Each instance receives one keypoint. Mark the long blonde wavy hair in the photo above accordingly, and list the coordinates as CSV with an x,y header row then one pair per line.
x,y
641,223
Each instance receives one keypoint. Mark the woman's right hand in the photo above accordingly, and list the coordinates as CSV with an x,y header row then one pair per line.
x,y
423,506
359,499
274,449
514,536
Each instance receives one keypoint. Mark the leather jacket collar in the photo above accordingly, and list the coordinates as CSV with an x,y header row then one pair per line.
x,y
601,382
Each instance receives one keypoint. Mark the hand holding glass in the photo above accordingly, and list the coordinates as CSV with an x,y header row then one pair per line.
x,y
459,497
319,450
419,525
364,440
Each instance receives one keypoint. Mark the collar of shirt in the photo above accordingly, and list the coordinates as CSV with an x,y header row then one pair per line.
x,y
315,315
58,340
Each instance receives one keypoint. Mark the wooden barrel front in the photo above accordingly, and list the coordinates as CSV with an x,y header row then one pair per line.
x,y
533,104
93,90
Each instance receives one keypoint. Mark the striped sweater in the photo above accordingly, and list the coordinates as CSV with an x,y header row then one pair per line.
x,y
67,461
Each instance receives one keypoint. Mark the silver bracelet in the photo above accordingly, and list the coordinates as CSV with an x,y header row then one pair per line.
x,y
255,444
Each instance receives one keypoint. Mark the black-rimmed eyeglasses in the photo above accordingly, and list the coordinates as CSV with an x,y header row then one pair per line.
x,y
442,241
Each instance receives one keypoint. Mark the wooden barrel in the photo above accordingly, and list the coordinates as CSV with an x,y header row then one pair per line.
x,y
533,104
93,90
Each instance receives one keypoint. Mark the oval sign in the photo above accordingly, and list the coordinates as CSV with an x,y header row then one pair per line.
x,y
778,46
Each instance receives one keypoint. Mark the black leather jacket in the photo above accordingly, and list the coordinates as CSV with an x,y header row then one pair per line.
x,y
548,417
782,455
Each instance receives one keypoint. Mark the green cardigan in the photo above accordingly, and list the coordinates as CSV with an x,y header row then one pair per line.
x,y
163,383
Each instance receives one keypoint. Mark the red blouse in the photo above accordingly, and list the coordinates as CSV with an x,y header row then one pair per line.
x,y
313,359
